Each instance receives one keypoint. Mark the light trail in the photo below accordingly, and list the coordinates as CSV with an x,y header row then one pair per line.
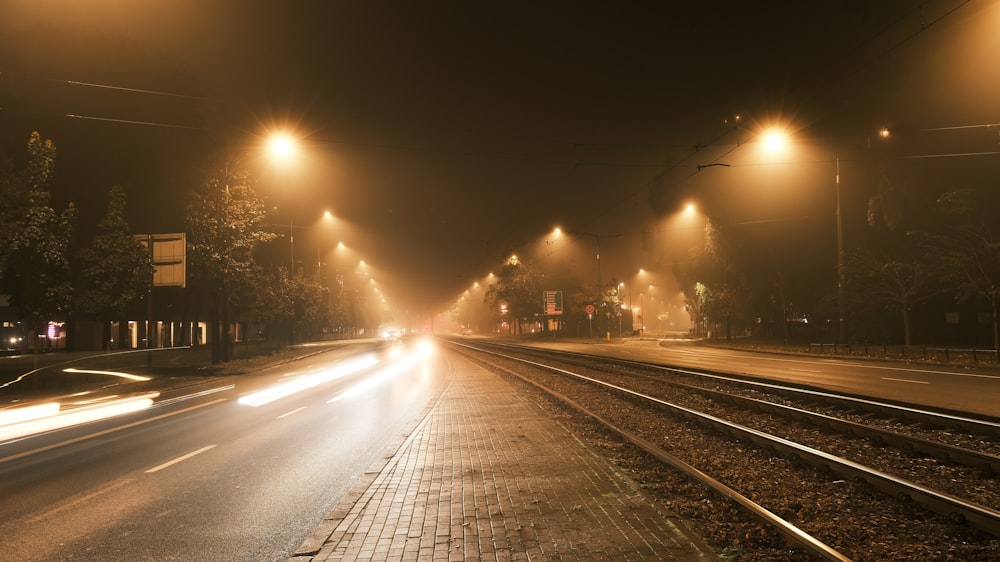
x,y
33,420
305,382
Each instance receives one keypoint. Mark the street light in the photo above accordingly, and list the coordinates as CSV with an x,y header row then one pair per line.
x,y
281,146
291,240
841,267
774,140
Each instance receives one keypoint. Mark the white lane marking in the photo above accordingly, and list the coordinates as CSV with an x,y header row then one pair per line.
x,y
905,380
106,431
295,411
805,370
180,459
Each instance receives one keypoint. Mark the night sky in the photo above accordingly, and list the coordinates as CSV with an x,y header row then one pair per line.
x,y
446,135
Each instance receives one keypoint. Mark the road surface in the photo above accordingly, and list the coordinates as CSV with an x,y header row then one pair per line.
x,y
208,477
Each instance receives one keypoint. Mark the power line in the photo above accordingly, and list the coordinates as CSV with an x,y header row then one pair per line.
x,y
132,122
133,90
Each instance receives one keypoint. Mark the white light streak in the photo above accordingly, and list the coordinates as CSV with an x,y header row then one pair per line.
x,y
388,372
109,373
28,413
28,425
288,388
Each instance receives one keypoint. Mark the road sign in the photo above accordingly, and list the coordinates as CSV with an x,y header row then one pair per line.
x,y
590,309
553,303
168,256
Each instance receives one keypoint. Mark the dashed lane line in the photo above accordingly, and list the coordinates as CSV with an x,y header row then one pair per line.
x,y
181,458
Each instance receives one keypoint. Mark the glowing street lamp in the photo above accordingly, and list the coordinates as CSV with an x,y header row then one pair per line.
x,y
281,145
774,139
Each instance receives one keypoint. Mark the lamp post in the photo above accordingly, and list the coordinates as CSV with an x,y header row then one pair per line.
x,y
597,242
282,147
642,317
291,243
291,247
841,269
774,140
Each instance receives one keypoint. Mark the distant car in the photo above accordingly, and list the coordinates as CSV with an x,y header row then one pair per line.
x,y
467,332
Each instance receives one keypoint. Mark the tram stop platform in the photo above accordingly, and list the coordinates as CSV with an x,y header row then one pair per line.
x,y
488,475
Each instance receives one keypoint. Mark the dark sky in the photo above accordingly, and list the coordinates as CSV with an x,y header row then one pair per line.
x,y
444,135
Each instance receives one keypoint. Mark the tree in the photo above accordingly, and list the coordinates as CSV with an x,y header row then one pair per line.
x,y
970,251
226,220
713,266
115,270
897,273
696,301
517,286
309,299
896,283
34,268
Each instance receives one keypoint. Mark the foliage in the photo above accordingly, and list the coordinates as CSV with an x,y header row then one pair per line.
x,y
310,301
894,282
115,270
226,221
696,301
518,287
969,250
34,268
717,293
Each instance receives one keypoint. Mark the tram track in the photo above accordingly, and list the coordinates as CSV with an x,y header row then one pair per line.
x,y
639,403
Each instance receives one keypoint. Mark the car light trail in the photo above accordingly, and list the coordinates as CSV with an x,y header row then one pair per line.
x,y
28,413
388,372
109,373
288,388
162,403
108,431
29,420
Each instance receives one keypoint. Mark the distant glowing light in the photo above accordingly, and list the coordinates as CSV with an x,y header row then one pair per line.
x,y
425,347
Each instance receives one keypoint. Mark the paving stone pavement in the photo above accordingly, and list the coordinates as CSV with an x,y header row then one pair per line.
x,y
488,475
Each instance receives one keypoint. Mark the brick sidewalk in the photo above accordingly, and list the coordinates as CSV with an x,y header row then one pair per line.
x,y
487,475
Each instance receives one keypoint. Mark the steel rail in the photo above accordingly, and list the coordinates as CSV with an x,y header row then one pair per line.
x,y
985,462
910,413
956,509
967,457
793,535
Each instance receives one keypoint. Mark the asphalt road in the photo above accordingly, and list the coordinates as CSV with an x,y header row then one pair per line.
x,y
972,390
212,471
206,477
